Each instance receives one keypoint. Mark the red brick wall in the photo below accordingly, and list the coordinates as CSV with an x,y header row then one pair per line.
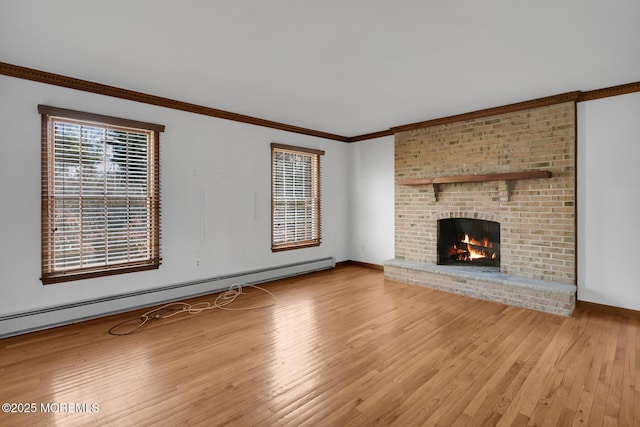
x,y
537,223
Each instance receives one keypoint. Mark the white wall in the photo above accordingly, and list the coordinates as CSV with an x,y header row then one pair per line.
x,y
372,200
223,165
609,201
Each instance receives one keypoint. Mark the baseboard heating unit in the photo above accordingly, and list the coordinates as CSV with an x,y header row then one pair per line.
x,y
48,317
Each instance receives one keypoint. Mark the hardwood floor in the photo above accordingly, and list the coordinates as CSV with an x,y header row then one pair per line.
x,y
340,347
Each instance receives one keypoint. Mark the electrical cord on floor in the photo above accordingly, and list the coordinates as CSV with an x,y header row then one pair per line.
x,y
169,310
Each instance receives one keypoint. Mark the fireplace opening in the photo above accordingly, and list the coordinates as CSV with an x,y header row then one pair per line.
x,y
465,241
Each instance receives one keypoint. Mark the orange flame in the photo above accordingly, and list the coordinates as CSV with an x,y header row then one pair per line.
x,y
475,253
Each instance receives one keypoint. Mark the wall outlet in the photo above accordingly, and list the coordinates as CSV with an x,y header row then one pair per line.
x,y
197,262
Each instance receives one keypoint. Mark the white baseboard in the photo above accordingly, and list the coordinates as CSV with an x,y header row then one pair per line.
x,y
33,320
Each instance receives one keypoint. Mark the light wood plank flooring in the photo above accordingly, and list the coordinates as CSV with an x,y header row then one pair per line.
x,y
340,347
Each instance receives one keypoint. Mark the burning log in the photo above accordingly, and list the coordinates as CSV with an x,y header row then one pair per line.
x,y
477,251
461,243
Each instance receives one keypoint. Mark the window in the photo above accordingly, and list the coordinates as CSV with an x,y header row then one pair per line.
x,y
295,197
100,195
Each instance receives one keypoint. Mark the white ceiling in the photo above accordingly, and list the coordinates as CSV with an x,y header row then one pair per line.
x,y
342,66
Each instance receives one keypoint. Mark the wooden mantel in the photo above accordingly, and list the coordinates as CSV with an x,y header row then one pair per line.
x,y
505,188
507,176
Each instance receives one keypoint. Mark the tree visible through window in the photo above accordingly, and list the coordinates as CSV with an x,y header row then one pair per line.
x,y
295,187
100,195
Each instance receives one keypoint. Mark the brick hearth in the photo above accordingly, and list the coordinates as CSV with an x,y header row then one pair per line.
x,y
487,284
536,216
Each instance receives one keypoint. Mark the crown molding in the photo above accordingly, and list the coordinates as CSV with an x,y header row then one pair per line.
x,y
575,96
609,91
503,109
371,135
130,95
116,92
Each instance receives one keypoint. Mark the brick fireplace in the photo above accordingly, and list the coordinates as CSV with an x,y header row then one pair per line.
x,y
516,169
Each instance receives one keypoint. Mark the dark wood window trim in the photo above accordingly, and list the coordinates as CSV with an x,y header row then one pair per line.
x,y
97,118
287,230
148,178
297,149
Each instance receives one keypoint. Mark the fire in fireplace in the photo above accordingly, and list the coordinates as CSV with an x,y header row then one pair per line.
x,y
466,241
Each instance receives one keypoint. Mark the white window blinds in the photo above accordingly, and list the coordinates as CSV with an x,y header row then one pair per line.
x,y
101,207
295,202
